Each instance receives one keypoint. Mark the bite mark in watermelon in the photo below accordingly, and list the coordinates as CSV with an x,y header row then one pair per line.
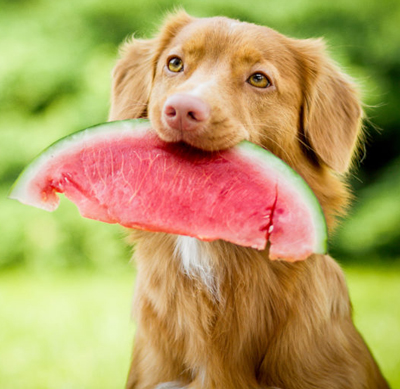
x,y
122,172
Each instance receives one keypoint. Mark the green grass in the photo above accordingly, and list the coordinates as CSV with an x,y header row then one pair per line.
x,y
73,329
65,331
375,294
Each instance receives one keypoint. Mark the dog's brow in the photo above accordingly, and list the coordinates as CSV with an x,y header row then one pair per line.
x,y
198,49
248,56
195,49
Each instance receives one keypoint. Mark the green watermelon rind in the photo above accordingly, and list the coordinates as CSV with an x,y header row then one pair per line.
x,y
256,155
267,160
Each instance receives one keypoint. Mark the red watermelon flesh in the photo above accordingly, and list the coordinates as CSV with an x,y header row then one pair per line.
x,y
121,172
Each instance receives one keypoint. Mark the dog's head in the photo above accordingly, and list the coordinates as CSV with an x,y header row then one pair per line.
x,y
215,82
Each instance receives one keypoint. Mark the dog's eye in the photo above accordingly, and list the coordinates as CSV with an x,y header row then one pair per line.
x,y
259,80
175,64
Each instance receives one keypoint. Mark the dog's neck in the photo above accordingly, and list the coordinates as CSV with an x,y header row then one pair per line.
x,y
196,262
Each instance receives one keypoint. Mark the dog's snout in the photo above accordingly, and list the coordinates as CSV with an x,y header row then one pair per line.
x,y
185,112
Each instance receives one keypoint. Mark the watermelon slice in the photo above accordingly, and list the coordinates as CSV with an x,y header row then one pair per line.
x,y
121,172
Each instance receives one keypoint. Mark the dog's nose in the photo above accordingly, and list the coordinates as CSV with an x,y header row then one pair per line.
x,y
185,112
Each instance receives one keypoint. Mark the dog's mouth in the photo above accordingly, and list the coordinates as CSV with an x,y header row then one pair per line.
x,y
196,140
204,140
184,117
211,136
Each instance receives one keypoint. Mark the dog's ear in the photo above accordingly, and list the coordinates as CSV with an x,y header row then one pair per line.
x,y
132,77
331,110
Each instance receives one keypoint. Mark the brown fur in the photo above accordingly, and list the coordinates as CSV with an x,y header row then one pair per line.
x,y
266,323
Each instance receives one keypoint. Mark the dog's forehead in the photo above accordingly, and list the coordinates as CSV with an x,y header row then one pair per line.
x,y
214,35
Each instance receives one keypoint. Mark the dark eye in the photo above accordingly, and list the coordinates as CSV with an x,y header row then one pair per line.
x,y
259,80
175,64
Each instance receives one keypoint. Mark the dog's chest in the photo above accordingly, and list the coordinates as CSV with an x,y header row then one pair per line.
x,y
195,260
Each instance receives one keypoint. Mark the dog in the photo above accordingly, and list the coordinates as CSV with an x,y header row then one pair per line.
x,y
214,315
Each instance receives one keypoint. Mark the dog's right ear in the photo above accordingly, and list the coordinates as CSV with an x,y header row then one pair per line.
x,y
132,77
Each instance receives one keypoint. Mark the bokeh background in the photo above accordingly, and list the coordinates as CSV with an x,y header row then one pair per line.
x,y
66,282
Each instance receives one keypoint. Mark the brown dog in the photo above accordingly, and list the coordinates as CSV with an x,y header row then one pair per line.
x,y
215,315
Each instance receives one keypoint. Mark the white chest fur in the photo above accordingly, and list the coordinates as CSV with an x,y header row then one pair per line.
x,y
195,260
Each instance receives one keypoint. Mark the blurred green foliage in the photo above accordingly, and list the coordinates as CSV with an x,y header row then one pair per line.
x,y
55,65
55,79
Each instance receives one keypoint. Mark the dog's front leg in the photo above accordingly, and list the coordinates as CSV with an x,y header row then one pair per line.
x,y
151,369
171,385
177,385
202,383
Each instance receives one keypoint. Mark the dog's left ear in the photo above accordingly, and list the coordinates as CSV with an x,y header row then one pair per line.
x,y
331,116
